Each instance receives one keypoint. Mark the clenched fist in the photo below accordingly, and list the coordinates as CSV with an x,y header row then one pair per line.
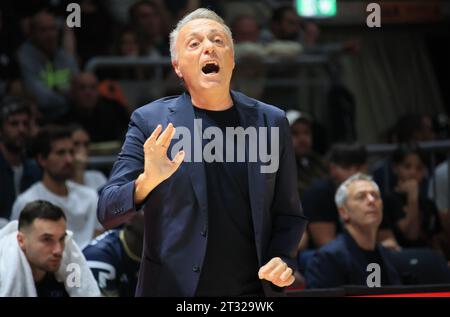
x,y
277,272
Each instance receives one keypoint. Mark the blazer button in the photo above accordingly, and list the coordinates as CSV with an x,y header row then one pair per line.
x,y
196,269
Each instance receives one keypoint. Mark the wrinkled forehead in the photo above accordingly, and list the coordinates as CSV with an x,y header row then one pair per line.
x,y
201,27
361,186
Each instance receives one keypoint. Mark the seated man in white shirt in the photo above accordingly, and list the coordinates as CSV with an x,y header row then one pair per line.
x,y
39,258
54,151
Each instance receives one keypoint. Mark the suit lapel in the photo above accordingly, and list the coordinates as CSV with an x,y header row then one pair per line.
x,y
249,117
181,114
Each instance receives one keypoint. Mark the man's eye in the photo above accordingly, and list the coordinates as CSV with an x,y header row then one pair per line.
x,y
376,196
218,41
193,44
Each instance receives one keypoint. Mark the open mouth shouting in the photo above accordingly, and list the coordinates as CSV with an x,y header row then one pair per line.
x,y
210,68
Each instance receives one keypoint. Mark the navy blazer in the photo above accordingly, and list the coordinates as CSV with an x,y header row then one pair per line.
x,y
341,262
176,214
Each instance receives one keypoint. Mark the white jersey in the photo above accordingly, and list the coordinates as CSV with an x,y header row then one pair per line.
x,y
79,206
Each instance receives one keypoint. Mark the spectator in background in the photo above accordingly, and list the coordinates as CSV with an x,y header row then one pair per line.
x,y
310,166
245,28
344,160
90,178
103,119
97,30
179,8
310,38
345,260
414,217
441,126
127,44
285,25
55,154
114,258
46,69
409,128
36,254
283,43
17,172
147,19
442,188
441,197
9,69
413,127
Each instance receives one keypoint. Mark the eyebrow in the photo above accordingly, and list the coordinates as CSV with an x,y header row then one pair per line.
x,y
196,34
367,192
49,235
216,31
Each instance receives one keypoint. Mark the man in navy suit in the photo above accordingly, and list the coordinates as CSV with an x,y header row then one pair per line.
x,y
355,257
212,227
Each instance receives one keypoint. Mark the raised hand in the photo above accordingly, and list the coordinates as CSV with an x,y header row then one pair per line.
x,y
157,166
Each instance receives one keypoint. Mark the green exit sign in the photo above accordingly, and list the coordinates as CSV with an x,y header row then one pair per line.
x,y
316,8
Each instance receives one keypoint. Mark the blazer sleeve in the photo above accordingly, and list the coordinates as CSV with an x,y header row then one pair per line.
x,y
116,200
324,271
289,222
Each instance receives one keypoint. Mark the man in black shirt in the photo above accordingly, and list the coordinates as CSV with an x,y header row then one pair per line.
x,y
228,199
354,257
344,160
211,227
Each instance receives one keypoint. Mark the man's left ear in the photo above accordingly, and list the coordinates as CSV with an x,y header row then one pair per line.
x,y
177,69
21,240
234,61
343,213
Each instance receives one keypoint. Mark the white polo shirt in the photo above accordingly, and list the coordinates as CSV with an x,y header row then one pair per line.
x,y
79,206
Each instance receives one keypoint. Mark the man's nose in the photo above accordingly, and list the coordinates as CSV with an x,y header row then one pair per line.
x,y
371,198
23,127
208,47
59,249
69,157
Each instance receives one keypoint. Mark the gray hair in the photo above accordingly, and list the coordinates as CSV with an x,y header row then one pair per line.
x,y
342,193
200,13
